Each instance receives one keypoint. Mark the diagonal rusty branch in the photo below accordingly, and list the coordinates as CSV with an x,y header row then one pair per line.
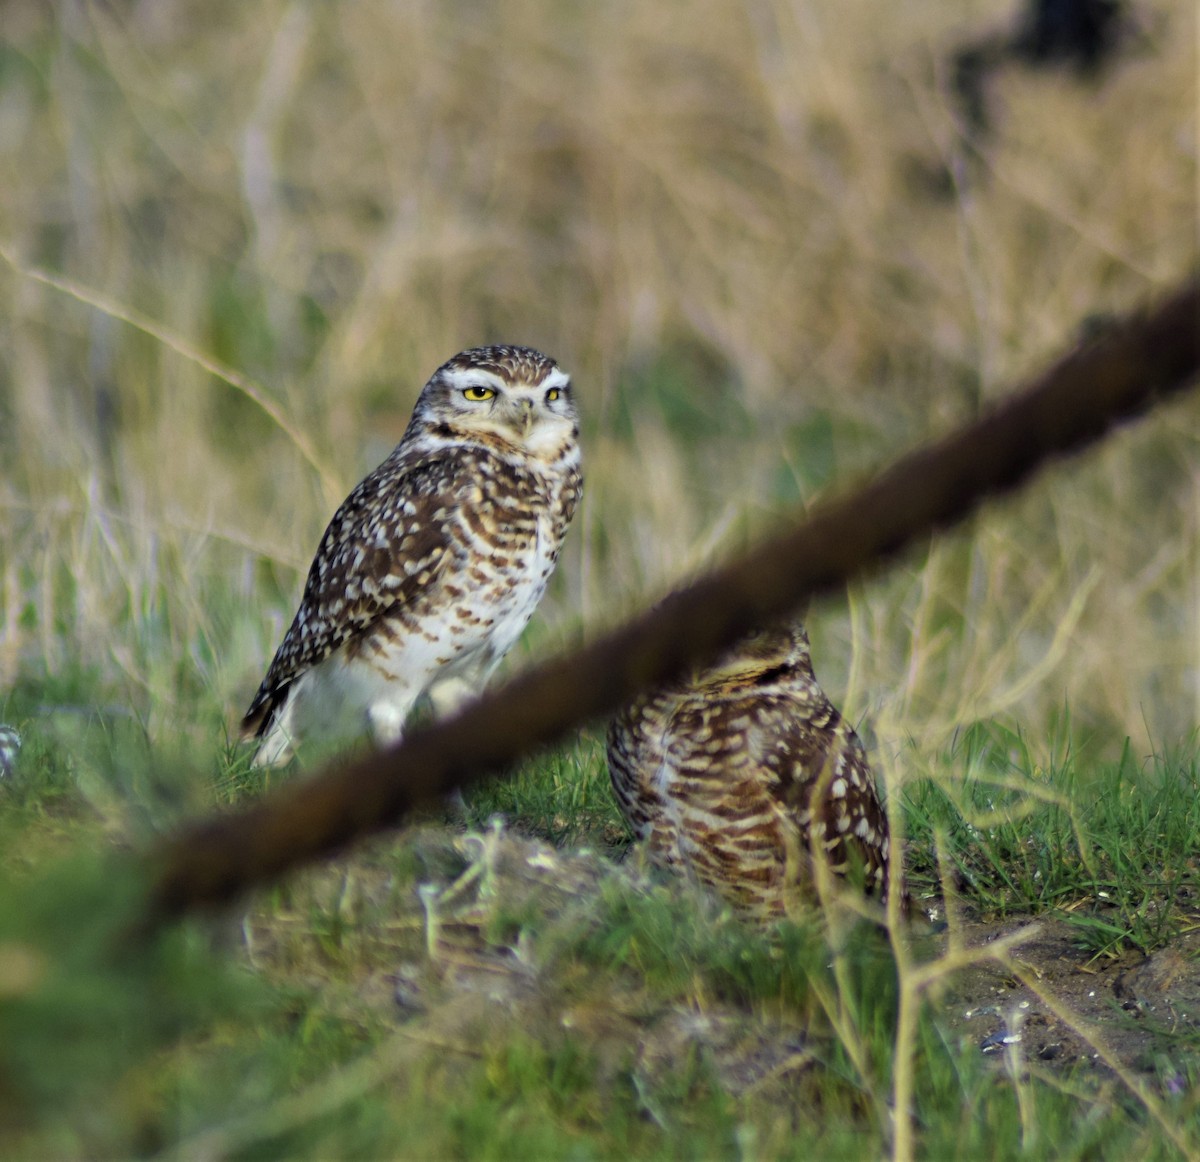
x,y
1144,359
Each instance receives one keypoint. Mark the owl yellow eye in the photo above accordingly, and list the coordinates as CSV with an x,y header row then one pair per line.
x,y
553,394
475,394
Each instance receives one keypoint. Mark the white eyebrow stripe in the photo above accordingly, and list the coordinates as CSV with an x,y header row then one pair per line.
x,y
460,377
476,377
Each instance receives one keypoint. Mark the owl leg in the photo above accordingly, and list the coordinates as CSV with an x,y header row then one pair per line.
x,y
450,695
447,698
276,748
386,721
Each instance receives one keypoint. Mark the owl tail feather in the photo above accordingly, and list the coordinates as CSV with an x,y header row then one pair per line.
x,y
269,718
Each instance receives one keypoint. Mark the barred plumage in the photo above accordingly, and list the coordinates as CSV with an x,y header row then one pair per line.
x,y
433,565
739,773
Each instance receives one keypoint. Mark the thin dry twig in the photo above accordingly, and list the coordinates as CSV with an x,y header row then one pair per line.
x,y
256,393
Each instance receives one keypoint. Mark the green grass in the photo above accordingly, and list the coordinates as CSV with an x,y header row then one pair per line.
x,y
562,796
758,241
273,1032
1114,839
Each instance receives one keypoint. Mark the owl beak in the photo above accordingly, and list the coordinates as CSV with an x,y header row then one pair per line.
x,y
525,415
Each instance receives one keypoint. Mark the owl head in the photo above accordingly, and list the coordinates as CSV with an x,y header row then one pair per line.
x,y
763,654
514,394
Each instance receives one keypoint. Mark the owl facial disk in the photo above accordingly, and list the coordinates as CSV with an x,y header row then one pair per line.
x,y
536,414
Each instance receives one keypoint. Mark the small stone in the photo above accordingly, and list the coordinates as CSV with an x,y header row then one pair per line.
x,y
407,991
10,744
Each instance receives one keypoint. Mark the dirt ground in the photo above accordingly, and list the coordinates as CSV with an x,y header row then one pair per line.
x,y
1058,1004
1048,1003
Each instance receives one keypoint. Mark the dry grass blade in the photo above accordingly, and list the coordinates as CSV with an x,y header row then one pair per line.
x,y
330,481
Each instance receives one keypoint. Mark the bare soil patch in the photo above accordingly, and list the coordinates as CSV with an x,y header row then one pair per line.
x,y
1066,1007
459,977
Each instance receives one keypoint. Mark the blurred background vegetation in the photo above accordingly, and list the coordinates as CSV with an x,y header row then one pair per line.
x,y
767,239
776,244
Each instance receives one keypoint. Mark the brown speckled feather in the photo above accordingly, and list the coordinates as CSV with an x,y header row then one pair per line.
x,y
432,566
744,774
371,559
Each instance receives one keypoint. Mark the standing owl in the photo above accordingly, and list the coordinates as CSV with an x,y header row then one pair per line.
x,y
434,564
740,772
